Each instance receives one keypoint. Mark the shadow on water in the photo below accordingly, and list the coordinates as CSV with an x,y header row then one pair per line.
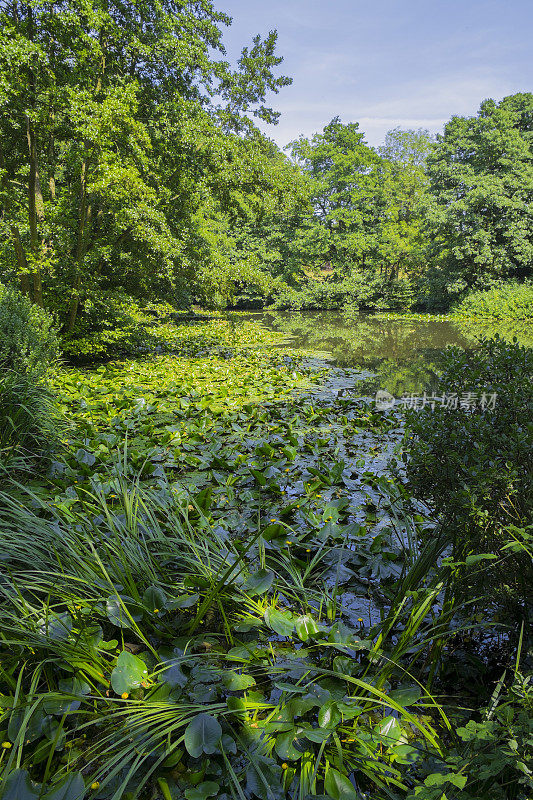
x,y
403,354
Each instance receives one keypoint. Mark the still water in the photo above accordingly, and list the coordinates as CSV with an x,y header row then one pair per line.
x,y
400,355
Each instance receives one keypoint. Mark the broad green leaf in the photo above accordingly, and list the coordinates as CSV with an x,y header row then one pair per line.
x,y
285,748
202,735
120,610
235,681
280,621
339,787
129,673
389,730
202,791
406,696
306,627
20,787
155,599
329,716
72,787
259,583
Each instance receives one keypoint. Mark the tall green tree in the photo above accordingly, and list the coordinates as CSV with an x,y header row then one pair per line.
x,y
342,175
403,197
118,132
481,215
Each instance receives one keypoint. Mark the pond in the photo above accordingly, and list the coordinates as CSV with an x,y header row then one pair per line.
x,y
400,355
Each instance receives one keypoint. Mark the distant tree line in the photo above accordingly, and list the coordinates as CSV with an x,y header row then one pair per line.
x,y
130,165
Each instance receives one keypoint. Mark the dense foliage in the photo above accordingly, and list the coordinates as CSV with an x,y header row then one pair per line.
x,y
130,166
512,301
93,198
28,339
29,348
472,460
481,186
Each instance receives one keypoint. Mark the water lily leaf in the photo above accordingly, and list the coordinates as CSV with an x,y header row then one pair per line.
x,y
280,621
57,704
120,610
173,675
285,746
129,672
260,582
185,601
237,682
202,735
84,457
306,627
33,727
389,730
20,787
202,791
72,787
406,696
339,787
56,626
154,599
329,716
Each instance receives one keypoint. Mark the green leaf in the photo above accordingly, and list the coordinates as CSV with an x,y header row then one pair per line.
x,y
474,559
306,627
329,716
389,730
285,748
236,682
120,609
185,601
259,583
173,674
129,672
20,787
407,696
202,735
72,787
280,621
439,778
339,787
154,599
202,791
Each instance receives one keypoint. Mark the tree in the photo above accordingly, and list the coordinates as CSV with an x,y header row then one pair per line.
x,y
401,243
481,215
341,170
117,127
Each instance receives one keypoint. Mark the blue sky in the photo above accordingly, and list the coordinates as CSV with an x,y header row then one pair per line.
x,y
384,63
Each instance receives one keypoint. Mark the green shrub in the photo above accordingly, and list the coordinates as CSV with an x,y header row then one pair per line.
x,y
28,338
510,301
474,466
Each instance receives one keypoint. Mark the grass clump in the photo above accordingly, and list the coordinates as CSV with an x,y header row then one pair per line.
x,y
29,348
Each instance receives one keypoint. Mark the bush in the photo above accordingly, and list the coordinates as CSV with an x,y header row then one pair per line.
x,y
474,466
28,338
510,301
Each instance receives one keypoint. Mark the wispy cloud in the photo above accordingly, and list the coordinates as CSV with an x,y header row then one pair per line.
x,y
391,62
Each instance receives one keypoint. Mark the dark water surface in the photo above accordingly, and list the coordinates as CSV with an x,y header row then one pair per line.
x,y
402,355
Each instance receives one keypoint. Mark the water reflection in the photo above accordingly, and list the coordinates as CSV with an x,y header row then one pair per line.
x,y
404,354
